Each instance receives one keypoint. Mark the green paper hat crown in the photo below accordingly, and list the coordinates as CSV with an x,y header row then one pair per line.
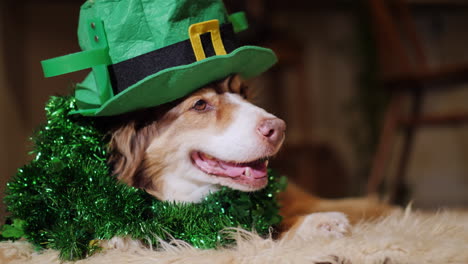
x,y
144,53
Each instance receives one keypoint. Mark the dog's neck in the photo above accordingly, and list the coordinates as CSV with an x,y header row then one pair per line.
x,y
182,189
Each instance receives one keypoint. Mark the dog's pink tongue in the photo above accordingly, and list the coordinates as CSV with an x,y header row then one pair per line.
x,y
221,168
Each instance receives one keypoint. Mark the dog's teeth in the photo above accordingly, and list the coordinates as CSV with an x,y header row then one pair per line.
x,y
206,156
266,163
248,172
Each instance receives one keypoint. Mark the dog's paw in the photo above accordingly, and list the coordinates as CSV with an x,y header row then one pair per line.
x,y
330,224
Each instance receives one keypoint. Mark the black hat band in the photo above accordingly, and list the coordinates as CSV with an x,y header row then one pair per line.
x,y
127,73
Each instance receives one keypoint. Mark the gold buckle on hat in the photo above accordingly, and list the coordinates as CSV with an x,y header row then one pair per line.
x,y
212,26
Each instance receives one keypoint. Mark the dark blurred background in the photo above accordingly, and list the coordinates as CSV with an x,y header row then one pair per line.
x,y
347,69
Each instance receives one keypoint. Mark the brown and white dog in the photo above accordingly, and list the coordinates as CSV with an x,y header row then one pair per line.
x,y
182,151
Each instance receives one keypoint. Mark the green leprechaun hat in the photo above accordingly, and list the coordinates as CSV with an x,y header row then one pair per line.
x,y
144,53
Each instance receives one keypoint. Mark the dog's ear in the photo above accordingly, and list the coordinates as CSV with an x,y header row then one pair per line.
x,y
127,147
234,84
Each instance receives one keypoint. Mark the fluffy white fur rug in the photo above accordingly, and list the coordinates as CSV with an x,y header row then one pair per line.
x,y
403,237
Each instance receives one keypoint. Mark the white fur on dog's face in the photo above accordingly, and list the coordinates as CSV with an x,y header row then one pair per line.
x,y
210,127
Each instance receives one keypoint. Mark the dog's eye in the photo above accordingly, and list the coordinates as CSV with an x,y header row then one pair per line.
x,y
200,105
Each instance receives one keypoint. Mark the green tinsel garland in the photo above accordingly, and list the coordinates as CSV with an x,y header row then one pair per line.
x,y
66,198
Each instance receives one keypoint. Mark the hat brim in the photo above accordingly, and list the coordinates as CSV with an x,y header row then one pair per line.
x,y
174,83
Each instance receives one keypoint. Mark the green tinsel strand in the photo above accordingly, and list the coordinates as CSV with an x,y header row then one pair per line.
x,y
66,198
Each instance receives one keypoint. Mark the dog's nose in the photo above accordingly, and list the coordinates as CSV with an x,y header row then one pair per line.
x,y
272,129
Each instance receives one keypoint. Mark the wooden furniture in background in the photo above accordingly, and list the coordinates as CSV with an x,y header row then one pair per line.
x,y
408,77
316,166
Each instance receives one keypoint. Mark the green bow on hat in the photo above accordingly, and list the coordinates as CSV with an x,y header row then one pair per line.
x,y
144,53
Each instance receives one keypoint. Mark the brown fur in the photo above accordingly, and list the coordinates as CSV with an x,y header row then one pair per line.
x,y
296,204
135,131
